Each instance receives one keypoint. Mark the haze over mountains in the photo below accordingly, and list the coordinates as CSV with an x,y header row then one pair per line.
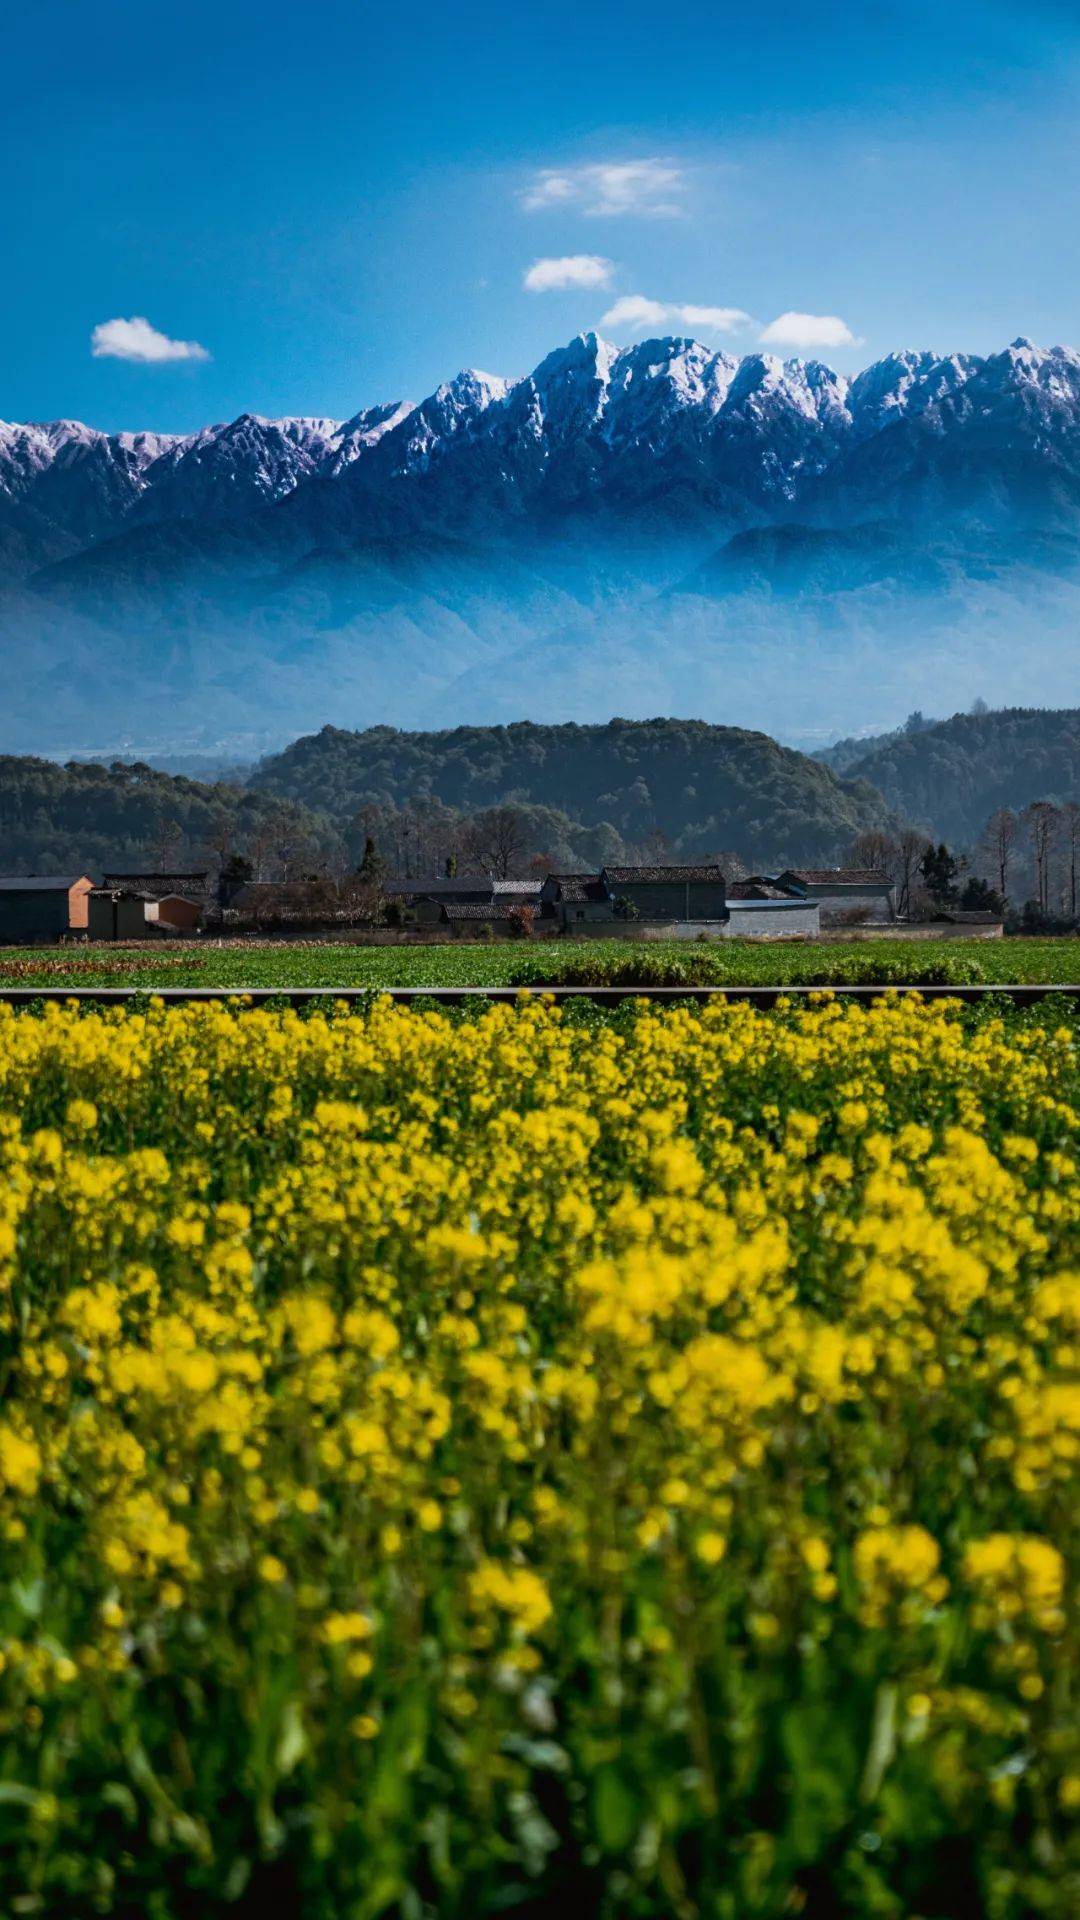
x,y
655,528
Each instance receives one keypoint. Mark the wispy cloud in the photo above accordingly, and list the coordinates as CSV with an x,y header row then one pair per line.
x,y
633,313
572,270
808,330
609,188
137,340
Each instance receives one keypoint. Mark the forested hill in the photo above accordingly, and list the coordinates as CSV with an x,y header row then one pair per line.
x,y
88,818
950,777
702,787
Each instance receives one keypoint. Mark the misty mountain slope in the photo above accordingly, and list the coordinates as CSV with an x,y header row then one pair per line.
x,y
957,772
618,527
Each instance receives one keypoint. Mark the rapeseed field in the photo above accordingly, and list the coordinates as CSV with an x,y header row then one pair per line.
x,y
528,1464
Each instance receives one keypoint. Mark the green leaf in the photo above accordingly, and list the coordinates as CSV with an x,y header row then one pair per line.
x,y
616,1809
292,1739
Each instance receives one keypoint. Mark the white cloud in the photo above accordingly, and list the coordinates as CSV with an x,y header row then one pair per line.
x,y
611,187
137,340
714,319
572,270
808,330
634,312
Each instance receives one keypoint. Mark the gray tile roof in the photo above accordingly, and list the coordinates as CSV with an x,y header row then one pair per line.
x,y
662,876
475,910
41,882
837,876
191,886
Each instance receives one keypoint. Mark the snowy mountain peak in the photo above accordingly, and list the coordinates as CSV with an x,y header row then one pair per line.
x,y
473,388
590,423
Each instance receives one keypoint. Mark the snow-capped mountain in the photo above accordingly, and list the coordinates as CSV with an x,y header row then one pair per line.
x,y
592,425
555,523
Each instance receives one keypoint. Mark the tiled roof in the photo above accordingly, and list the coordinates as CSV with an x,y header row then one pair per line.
x,y
663,876
122,893
790,901
41,882
579,887
757,890
517,889
157,885
838,876
474,910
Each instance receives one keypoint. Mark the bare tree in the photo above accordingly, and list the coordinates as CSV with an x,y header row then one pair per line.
x,y
168,837
219,840
873,849
997,846
1042,819
500,840
1070,840
910,847
731,864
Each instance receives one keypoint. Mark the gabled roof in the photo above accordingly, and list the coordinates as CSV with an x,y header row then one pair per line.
x,y
522,889
662,876
837,876
579,887
474,910
42,882
123,893
743,890
157,885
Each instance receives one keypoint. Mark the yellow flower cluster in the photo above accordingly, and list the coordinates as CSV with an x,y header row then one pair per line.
x,y
445,1457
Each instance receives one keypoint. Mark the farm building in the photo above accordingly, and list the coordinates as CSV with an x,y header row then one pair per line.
x,y
424,899
162,886
785,918
43,906
575,897
517,893
465,917
125,913
119,913
856,895
666,892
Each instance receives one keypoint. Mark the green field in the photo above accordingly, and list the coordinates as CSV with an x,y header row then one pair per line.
x,y
581,962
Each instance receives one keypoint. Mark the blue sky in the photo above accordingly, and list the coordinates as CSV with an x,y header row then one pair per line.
x,y
319,206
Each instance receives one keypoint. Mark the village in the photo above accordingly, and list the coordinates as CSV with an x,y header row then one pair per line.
x,y
650,901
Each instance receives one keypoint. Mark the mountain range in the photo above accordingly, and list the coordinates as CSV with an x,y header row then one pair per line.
x,y
652,528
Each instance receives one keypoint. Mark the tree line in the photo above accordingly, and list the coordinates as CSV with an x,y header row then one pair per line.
x,y
1024,864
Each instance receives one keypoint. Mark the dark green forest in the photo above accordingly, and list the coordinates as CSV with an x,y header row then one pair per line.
x,y
579,795
86,818
949,777
699,787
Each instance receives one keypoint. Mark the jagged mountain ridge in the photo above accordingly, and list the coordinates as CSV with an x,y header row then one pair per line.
x,y
765,541
742,438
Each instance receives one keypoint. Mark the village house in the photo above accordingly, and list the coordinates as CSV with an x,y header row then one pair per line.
x,y
666,892
36,907
575,898
685,895
423,900
181,900
518,893
125,913
464,918
119,913
855,896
